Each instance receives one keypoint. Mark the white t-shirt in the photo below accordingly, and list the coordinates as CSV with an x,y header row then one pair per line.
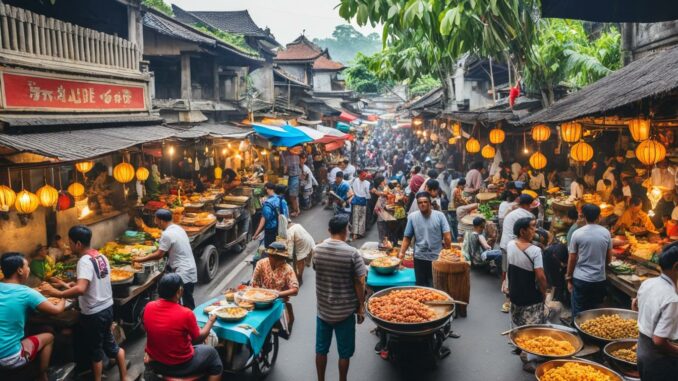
x,y
658,308
510,220
174,241
349,171
99,294
310,179
332,175
504,208
300,241
361,188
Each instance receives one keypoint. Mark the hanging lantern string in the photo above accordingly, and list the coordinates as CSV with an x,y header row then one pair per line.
x,y
21,173
9,177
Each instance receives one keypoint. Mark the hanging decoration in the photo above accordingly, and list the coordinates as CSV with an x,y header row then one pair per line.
x,y
581,152
472,145
142,173
541,133
654,194
76,189
84,166
639,129
47,195
497,136
488,151
65,201
7,198
218,172
26,202
650,152
570,132
123,173
538,160
456,129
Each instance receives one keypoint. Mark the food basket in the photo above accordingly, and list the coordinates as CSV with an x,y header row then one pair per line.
x,y
443,312
545,367
529,331
377,263
261,298
592,314
624,366
230,313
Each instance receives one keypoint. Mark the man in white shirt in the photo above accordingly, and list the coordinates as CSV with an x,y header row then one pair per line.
x,y
301,244
474,178
175,244
663,177
657,305
349,170
361,194
333,173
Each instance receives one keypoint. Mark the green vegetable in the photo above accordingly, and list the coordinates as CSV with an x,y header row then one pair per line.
x,y
486,211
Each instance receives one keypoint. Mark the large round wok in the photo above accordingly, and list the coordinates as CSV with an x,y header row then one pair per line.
x,y
592,314
553,331
545,367
444,314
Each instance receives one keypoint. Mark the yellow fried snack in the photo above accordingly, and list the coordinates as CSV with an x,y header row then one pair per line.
x,y
572,371
405,306
545,345
626,354
611,327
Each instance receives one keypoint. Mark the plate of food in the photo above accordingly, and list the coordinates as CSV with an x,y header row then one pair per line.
x,y
574,370
119,276
216,305
230,313
607,324
546,341
409,308
260,297
385,265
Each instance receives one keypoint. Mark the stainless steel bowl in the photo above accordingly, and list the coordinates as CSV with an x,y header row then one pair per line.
x,y
545,367
592,314
620,364
530,331
258,304
386,270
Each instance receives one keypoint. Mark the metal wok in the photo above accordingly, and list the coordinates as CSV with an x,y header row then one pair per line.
x,y
626,367
553,331
592,314
412,329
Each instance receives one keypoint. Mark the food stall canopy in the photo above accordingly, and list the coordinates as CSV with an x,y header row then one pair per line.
x,y
334,146
283,136
653,75
334,132
85,143
347,117
611,10
216,131
343,127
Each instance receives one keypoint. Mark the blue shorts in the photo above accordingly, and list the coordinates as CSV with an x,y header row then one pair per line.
x,y
343,330
293,186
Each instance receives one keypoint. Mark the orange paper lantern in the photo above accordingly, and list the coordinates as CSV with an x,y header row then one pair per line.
x,y
26,202
582,152
7,198
570,132
497,136
488,152
538,160
47,195
650,152
84,166
76,189
123,173
218,172
473,145
640,129
142,173
541,133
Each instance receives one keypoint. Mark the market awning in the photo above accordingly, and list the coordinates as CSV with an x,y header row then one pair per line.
x,y
83,144
282,136
347,117
343,127
320,136
335,133
216,131
611,10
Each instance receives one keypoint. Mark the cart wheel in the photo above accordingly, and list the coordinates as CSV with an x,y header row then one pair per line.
x,y
209,263
264,361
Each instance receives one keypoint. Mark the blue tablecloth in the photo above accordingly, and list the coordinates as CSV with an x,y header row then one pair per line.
x,y
402,277
262,320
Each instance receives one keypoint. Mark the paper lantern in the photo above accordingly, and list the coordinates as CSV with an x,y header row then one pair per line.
x,y
538,160
47,195
473,145
570,132
541,133
7,198
65,201
452,140
640,129
76,189
142,173
497,136
654,195
26,202
582,152
84,166
650,152
456,129
488,151
218,172
123,173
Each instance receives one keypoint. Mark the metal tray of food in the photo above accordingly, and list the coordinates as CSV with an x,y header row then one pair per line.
x,y
622,365
592,314
545,367
259,303
529,331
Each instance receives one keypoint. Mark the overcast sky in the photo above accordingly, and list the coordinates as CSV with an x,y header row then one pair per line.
x,y
286,18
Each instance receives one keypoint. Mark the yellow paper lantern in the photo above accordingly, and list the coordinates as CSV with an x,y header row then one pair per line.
x,y
7,198
47,195
538,160
218,172
497,136
640,129
76,189
142,173
84,166
452,140
541,133
123,173
582,152
570,132
650,152
456,129
473,145
488,151
26,202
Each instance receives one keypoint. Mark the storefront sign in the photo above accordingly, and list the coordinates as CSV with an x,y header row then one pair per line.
x,y
52,93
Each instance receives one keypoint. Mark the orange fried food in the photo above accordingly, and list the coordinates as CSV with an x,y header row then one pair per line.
x,y
405,306
572,371
545,345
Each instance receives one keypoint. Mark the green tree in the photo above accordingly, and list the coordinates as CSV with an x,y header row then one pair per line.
x,y
159,5
360,78
346,42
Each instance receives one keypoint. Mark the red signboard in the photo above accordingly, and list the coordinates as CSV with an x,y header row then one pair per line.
x,y
51,93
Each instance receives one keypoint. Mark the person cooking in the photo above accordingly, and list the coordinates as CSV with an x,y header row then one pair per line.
x,y
635,219
657,306
175,244
230,180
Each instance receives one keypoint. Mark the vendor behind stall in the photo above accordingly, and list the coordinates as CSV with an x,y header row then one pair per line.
x,y
635,219
230,180
657,306
16,301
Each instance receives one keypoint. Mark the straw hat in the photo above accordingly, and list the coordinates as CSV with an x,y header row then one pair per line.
x,y
278,249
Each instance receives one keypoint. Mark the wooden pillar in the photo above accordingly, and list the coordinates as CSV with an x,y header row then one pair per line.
x,y
215,80
186,76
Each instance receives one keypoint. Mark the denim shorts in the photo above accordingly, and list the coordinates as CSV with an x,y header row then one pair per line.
x,y
343,330
293,186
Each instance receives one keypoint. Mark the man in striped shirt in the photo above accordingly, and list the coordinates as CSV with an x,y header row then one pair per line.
x,y
340,293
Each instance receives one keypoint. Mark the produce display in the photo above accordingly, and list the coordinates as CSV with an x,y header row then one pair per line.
x,y
153,232
629,354
572,371
611,327
405,306
122,254
545,345
385,262
622,267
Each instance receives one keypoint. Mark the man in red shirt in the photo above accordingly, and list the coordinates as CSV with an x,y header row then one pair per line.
x,y
417,180
172,331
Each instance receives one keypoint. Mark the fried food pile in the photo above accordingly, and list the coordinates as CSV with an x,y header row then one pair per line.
x,y
545,345
611,327
626,354
572,371
385,262
405,306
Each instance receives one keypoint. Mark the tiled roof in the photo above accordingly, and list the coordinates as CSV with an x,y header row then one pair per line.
x,y
324,63
174,29
301,49
233,21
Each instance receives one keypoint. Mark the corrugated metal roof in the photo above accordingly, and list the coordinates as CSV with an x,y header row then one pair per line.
x,y
216,131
